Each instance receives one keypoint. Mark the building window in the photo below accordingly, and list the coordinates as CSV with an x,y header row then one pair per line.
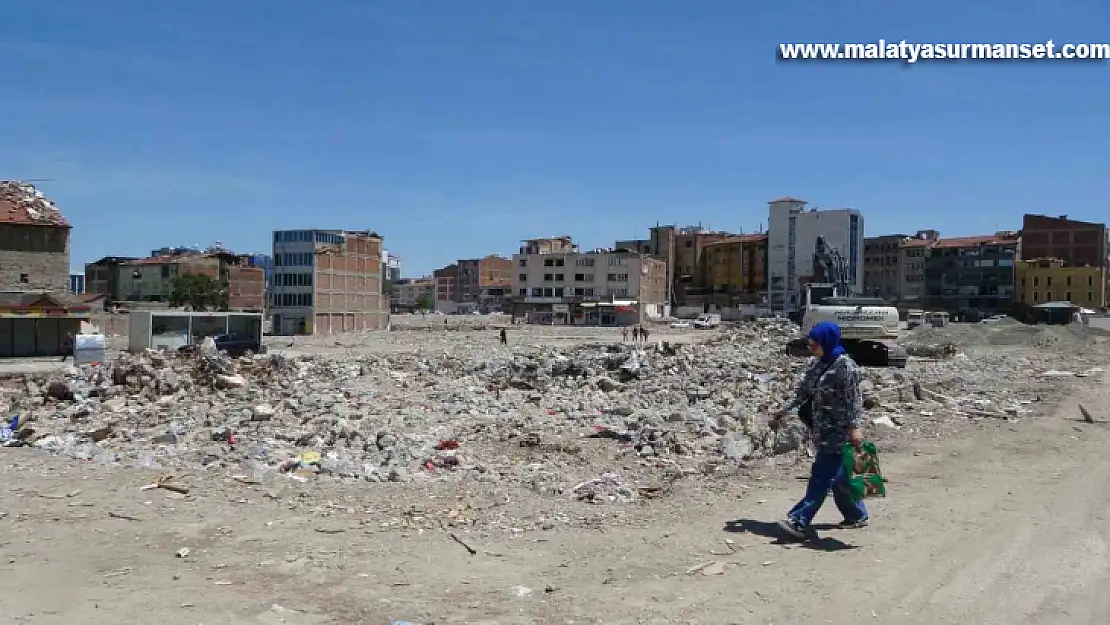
x,y
1067,281
1048,296
558,291
1036,296
558,277
523,277
579,277
1090,282
1036,281
524,262
524,292
549,262
559,262
1090,296
584,262
1023,282
548,277
1048,281
617,277
1067,296
24,278
548,292
537,291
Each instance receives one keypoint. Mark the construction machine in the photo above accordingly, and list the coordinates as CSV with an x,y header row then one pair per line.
x,y
868,325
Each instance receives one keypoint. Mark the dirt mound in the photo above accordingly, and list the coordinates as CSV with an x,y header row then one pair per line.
x,y
930,341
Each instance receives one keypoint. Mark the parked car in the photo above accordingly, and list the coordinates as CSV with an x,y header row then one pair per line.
x,y
234,344
706,322
683,325
994,319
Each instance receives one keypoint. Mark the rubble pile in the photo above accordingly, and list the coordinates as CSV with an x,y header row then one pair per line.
x,y
943,342
599,422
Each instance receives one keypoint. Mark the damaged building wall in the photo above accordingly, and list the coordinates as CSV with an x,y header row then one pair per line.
x,y
34,240
348,286
246,287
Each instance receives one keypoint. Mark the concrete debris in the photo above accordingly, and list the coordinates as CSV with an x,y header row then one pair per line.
x,y
596,422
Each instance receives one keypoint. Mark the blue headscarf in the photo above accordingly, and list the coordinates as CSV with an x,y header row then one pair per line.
x,y
827,335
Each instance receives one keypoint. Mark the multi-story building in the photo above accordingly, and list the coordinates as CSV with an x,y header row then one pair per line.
x,y
641,246
911,267
971,276
152,279
882,260
327,281
680,248
555,283
34,241
412,294
447,288
391,267
735,270
792,239
77,283
1044,280
477,275
102,276
1077,243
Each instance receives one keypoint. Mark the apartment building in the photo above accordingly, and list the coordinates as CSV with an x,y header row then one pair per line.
x,y
972,276
680,248
447,289
327,281
1044,280
1076,243
882,259
413,294
77,283
478,278
556,283
152,279
911,267
735,270
34,241
793,231
391,269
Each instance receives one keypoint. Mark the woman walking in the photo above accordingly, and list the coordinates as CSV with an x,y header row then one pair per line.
x,y
830,393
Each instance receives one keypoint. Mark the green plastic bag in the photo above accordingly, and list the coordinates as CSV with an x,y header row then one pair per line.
x,y
865,477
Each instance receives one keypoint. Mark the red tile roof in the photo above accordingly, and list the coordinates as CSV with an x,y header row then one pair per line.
x,y
22,204
977,240
917,243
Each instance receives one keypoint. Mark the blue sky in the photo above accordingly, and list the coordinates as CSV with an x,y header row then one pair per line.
x,y
457,128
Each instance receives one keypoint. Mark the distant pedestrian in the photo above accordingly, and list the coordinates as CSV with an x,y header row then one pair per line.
x,y
644,334
624,333
504,337
67,346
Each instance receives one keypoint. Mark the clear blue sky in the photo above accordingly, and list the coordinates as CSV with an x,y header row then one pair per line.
x,y
457,128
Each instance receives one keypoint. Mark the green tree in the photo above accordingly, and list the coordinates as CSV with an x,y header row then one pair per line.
x,y
198,292
424,302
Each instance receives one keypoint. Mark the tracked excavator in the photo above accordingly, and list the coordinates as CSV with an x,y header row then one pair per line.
x,y
868,325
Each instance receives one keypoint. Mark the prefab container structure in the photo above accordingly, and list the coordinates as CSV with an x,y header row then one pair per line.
x,y
155,329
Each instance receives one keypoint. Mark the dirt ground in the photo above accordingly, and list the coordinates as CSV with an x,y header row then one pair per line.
x,y
1005,524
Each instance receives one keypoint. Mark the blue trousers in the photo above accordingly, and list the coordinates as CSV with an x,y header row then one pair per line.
x,y
827,472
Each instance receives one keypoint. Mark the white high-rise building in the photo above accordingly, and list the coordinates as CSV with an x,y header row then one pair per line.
x,y
792,237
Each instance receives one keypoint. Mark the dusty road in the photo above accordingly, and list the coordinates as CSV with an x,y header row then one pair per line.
x,y
1005,525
